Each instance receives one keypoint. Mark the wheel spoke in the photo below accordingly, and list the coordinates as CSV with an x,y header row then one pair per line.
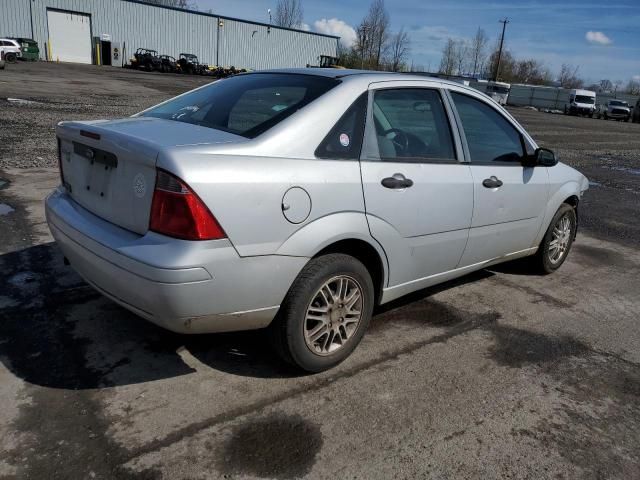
x,y
318,310
341,290
327,294
318,332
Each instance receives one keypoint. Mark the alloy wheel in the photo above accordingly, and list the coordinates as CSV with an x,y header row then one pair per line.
x,y
333,315
560,239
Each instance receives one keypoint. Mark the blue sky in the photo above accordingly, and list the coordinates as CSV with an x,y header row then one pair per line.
x,y
602,37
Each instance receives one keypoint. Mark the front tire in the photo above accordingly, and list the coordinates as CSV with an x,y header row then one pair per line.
x,y
557,241
325,314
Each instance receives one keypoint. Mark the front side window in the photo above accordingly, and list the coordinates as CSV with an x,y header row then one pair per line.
x,y
246,105
411,126
490,136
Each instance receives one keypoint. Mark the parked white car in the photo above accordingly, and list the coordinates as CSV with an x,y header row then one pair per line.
x,y
10,50
616,110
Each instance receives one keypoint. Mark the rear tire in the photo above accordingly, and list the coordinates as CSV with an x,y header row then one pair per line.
x,y
10,57
557,241
325,314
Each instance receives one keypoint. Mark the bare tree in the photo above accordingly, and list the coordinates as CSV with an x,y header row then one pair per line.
x,y
478,51
461,53
605,85
289,13
633,87
374,33
532,72
568,77
400,46
448,61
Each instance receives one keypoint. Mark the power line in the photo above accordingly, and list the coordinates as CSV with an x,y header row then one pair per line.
x,y
504,22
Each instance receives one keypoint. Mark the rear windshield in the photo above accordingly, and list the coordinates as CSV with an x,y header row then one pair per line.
x,y
246,105
585,99
618,103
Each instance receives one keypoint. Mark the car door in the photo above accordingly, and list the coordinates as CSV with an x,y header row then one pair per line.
x,y
509,197
418,192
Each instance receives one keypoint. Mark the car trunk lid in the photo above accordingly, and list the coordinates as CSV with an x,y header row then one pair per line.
x,y
109,167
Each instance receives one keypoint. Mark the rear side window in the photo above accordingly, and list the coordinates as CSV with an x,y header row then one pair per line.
x,y
246,105
490,136
344,141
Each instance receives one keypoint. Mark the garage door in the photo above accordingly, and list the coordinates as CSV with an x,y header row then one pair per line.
x,y
69,36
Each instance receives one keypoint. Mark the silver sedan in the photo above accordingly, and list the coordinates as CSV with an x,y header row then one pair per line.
x,y
299,200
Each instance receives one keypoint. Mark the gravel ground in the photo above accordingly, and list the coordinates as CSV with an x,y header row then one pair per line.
x,y
34,97
499,374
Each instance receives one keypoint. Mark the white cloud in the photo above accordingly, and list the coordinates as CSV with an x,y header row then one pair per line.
x,y
305,27
334,26
636,78
598,38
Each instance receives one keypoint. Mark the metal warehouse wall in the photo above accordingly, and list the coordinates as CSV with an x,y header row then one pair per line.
x,y
137,25
171,32
249,45
15,20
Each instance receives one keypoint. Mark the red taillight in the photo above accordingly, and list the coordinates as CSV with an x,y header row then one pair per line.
x,y
176,211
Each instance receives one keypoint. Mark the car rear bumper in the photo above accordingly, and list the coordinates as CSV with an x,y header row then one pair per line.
x,y
186,287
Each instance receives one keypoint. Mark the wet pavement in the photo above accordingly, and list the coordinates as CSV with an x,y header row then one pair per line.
x,y
500,374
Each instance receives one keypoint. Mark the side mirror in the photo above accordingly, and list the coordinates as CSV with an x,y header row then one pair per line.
x,y
545,157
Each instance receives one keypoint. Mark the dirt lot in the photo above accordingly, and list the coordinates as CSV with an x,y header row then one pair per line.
x,y
497,375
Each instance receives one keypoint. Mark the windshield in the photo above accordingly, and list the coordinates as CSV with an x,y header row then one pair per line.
x,y
246,105
618,103
498,89
585,99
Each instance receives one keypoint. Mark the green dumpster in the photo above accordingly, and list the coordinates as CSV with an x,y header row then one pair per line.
x,y
29,48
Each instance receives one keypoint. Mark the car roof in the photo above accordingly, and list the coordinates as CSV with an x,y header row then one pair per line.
x,y
367,75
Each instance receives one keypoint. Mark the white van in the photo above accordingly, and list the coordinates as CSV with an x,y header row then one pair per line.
x,y
581,102
499,91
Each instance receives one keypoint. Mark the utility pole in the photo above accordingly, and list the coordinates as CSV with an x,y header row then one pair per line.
x,y
504,22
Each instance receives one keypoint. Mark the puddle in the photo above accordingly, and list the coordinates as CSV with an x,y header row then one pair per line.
x,y
3,183
5,209
22,279
21,101
278,446
594,184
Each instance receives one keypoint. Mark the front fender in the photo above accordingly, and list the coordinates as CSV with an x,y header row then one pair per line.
x,y
557,198
325,231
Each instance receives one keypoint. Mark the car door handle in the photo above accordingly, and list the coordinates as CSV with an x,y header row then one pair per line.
x,y
397,182
492,182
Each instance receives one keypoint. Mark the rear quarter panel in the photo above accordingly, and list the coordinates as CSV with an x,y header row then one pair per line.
x,y
245,194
